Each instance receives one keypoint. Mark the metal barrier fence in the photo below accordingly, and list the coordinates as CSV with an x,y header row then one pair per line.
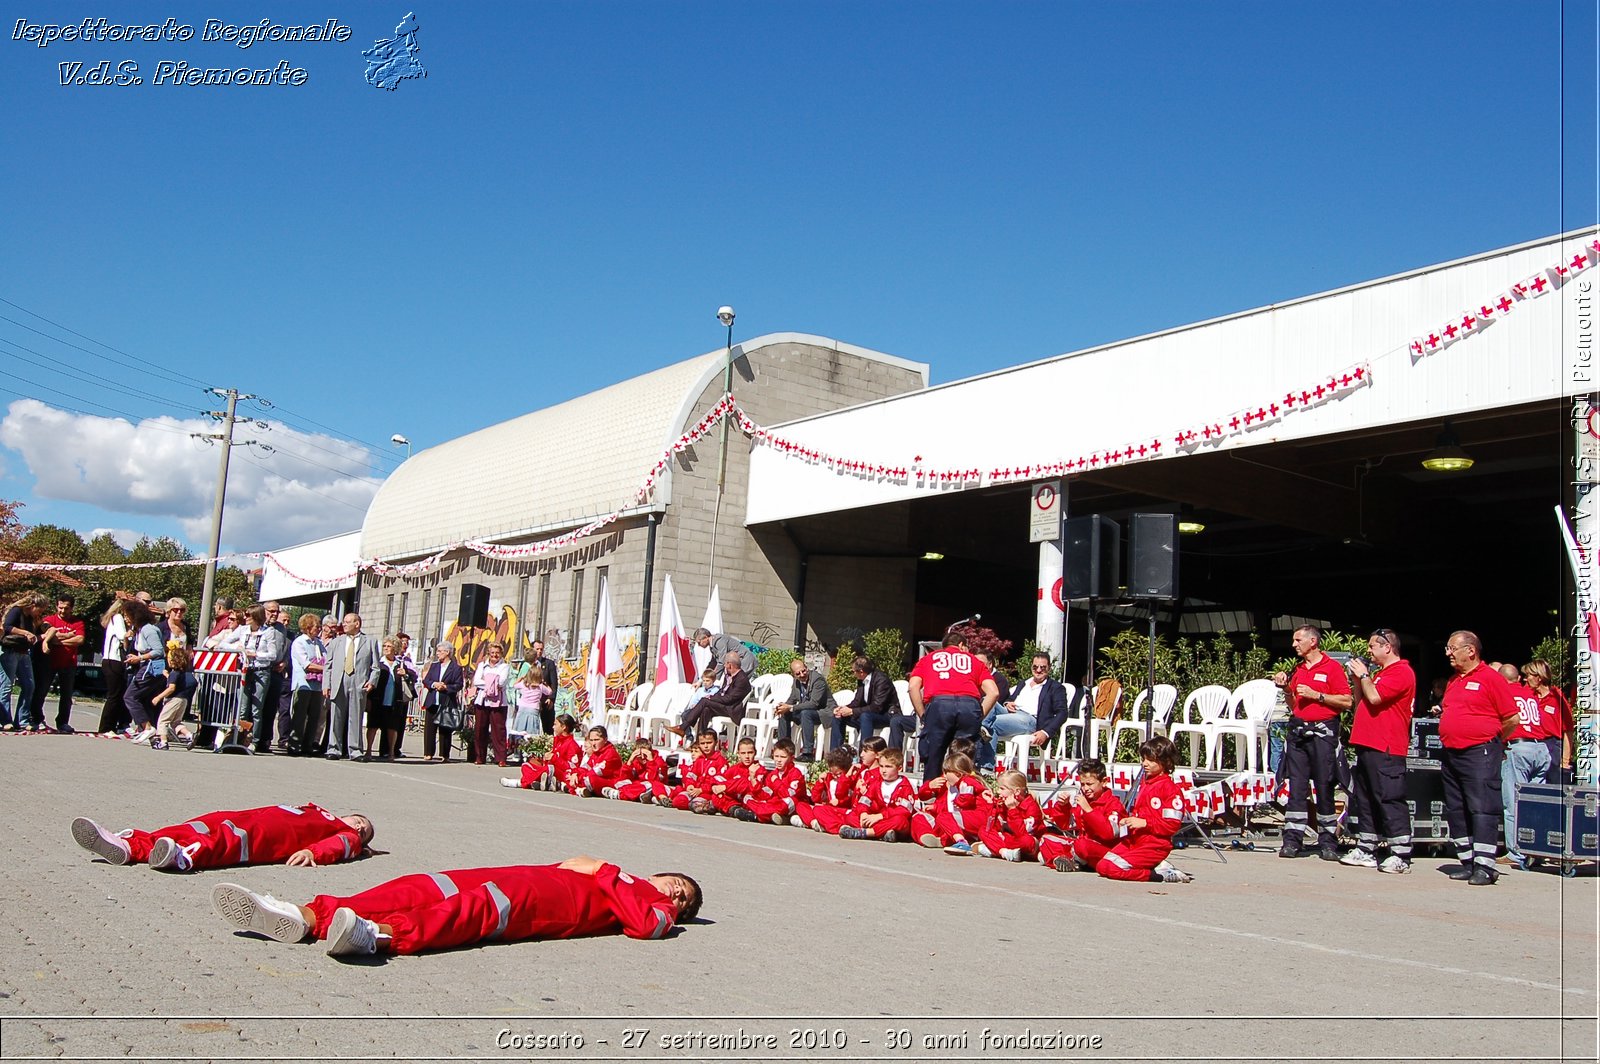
x,y
219,675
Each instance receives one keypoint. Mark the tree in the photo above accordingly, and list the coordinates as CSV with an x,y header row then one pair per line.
x,y
18,543
57,543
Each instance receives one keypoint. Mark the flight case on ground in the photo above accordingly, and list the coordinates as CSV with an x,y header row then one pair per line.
x,y
1558,823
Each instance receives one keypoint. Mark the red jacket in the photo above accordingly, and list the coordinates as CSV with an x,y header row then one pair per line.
x,y
785,786
965,793
702,772
564,754
1160,803
834,788
739,780
546,901
1024,819
648,769
600,769
872,799
1099,823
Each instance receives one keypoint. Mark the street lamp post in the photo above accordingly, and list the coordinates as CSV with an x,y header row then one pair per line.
x,y
724,315
399,440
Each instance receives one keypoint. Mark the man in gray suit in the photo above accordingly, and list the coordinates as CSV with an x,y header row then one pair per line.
x,y
345,686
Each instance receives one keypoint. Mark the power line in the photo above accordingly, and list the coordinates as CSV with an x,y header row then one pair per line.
x,y
147,367
142,421
154,365
56,367
268,404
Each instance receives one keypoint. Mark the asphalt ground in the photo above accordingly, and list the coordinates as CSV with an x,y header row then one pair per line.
x,y
808,947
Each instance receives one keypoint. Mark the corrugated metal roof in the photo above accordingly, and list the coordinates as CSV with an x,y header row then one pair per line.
x,y
551,468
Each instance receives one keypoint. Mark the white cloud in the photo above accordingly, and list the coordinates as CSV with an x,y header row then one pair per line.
x,y
310,486
126,538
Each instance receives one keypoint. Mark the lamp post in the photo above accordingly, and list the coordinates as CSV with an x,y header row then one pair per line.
x,y
399,440
725,316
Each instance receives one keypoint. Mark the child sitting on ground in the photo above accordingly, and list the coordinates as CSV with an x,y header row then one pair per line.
x,y
698,775
644,775
1087,816
884,801
832,796
955,807
1014,822
1154,816
598,768
564,754
733,783
773,800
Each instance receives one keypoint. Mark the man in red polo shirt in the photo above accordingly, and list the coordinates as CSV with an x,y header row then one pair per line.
x,y
1381,735
1317,691
60,663
951,691
1477,716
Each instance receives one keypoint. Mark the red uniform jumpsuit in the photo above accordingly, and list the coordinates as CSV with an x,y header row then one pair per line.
x,y
738,782
1086,836
594,772
564,753
700,773
1014,828
643,778
1160,803
830,801
893,799
775,800
446,909
254,836
961,812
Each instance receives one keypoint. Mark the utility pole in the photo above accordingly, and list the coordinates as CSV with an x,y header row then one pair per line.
x,y
724,315
225,437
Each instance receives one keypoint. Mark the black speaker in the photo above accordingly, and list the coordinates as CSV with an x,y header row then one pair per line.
x,y
1091,558
1153,557
474,606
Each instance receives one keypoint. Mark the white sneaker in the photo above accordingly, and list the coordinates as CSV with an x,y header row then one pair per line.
x,y
350,935
1395,866
1173,875
1011,854
145,736
261,913
978,849
1359,858
167,854
507,781
608,792
796,822
98,840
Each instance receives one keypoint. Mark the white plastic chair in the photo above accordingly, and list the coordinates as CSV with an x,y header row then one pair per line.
x,y
1099,726
1204,707
666,705
1159,708
623,722
1248,709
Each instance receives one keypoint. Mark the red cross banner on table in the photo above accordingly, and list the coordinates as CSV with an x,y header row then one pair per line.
x,y
1250,788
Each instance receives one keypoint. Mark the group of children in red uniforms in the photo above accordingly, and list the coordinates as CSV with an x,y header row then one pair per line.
x,y
1085,826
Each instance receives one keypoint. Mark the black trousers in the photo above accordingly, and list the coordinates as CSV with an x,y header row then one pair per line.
x,y
46,674
1472,800
1378,800
305,709
1308,758
114,715
946,717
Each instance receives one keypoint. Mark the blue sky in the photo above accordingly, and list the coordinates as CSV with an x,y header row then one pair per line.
x,y
572,191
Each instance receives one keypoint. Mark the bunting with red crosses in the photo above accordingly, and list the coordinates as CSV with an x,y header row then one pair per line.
x,y
1474,320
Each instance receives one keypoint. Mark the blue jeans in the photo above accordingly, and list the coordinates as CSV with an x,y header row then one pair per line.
x,y
1277,737
1527,761
16,674
1002,726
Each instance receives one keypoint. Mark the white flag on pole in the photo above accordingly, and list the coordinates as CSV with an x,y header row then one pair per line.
x,y
605,657
674,659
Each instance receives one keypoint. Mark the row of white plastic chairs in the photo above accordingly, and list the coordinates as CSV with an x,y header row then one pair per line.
x,y
651,708
1211,716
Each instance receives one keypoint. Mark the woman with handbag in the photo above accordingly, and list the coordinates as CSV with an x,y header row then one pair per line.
x,y
23,628
390,688
441,701
490,685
